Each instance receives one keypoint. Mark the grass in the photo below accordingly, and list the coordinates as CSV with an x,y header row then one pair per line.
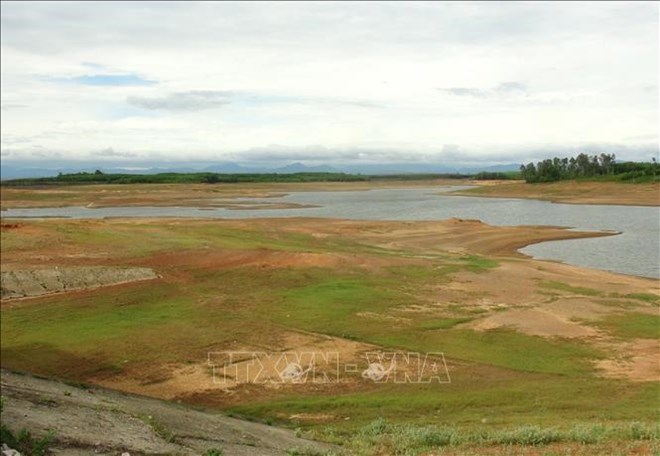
x,y
495,396
23,441
633,325
71,323
645,297
476,263
507,388
159,428
560,286
443,323
584,291
381,437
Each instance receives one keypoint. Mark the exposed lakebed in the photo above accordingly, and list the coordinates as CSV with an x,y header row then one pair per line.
x,y
636,250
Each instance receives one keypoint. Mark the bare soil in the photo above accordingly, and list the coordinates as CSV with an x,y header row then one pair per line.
x,y
573,192
100,421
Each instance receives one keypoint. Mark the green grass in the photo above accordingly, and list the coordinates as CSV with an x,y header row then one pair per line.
x,y
380,437
497,397
443,323
560,286
71,323
329,305
650,298
504,348
633,325
476,263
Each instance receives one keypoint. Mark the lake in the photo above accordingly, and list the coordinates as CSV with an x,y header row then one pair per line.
x,y
635,251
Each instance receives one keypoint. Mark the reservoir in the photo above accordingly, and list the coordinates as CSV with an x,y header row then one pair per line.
x,y
635,251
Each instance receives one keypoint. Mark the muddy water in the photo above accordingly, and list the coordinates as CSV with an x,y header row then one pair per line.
x,y
635,251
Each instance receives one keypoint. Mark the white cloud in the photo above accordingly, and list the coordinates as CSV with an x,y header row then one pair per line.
x,y
212,80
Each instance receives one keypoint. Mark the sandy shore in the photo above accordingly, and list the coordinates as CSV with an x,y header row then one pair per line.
x,y
573,192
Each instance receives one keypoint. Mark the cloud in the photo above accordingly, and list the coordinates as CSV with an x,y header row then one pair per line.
x,y
215,78
511,87
110,152
196,100
355,103
8,106
11,140
504,89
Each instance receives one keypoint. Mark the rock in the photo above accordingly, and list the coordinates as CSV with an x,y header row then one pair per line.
x,y
6,451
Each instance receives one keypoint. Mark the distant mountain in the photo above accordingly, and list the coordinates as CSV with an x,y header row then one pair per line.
x,y
15,170
10,172
300,168
502,168
232,168
424,168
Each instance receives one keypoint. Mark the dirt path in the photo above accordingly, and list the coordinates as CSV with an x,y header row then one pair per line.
x,y
106,422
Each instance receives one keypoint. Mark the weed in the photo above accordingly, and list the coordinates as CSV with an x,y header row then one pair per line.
x,y
159,429
214,452
561,286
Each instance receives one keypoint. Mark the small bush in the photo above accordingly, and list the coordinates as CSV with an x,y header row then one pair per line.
x,y
639,431
25,443
528,435
376,427
213,452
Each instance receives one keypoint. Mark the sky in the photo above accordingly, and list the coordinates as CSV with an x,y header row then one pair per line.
x,y
373,82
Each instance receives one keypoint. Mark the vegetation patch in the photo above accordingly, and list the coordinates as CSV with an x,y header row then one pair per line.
x,y
444,323
646,297
583,166
633,325
23,441
560,286
476,263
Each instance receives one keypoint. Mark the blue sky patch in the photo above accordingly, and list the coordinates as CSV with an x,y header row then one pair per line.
x,y
111,80
102,80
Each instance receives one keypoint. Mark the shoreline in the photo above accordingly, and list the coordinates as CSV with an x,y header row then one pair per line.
x,y
501,240
593,193
230,195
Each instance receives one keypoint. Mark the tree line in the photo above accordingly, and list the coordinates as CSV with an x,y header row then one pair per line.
x,y
588,166
99,177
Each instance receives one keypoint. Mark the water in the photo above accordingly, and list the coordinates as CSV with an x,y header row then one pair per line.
x,y
635,251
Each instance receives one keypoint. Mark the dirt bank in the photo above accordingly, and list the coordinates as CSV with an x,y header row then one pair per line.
x,y
456,235
106,422
573,192
36,282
